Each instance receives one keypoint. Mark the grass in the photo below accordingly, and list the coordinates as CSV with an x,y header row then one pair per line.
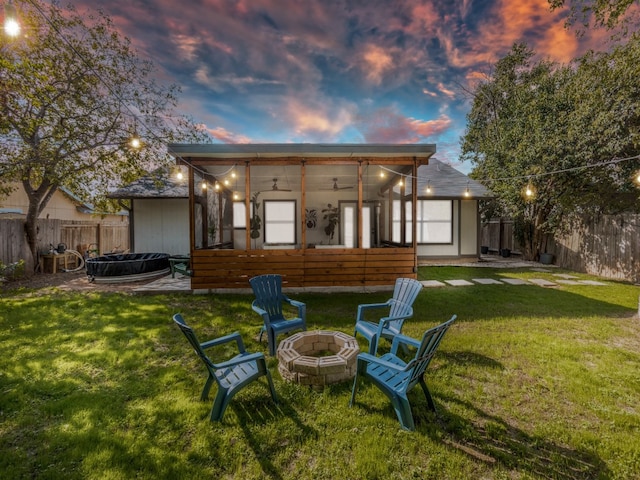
x,y
530,382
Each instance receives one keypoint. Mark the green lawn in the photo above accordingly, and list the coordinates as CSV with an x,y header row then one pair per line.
x,y
530,382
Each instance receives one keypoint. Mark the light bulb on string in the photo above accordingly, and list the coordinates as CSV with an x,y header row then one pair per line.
x,y
135,142
11,25
400,183
204,185
467,192
216,186
428,186
382,175
529,191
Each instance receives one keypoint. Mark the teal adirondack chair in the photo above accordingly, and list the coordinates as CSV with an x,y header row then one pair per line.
x,y
395,377
400,307
231,375
269,304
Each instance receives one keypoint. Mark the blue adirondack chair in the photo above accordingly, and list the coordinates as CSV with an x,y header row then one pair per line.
x,y
395,377
400,307
231,375
269,304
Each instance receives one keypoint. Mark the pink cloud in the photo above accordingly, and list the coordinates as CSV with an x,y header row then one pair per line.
x,y
386,125
223,135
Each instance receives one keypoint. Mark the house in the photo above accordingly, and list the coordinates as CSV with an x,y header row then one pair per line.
x,y
63,205
319,214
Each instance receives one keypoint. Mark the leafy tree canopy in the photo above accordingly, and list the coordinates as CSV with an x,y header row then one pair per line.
x,y
72,94
571,132
599,13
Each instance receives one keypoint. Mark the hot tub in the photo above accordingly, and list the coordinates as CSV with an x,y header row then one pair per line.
x,y
128,267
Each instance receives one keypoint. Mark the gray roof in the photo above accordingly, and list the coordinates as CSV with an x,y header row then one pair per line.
x,y
447,182
158,184
266,150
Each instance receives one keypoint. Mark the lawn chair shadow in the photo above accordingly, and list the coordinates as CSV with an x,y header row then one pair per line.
x,y
231,375
269,304
395,377
399,307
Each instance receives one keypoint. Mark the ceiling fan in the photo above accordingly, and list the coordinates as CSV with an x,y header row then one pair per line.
x,y
274,187
335,187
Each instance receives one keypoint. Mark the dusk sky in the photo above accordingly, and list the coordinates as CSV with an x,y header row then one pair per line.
x,y
370,71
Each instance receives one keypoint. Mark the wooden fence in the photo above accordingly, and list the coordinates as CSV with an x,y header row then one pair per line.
x,y
608,245
76,235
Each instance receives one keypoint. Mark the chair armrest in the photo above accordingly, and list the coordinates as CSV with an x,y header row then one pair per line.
x,y
403,340
369,306
235,336
238,360
302,307
367,357
256,308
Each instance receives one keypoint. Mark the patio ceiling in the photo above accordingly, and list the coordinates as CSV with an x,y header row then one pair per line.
x,y
329,167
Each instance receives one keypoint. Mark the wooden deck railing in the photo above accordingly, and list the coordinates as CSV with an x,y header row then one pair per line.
x,y
302,268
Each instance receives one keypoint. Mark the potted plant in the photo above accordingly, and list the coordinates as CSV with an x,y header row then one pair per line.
x,y
332,216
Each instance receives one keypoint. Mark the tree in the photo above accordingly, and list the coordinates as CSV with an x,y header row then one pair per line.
x,y
71,97
559,129
600,13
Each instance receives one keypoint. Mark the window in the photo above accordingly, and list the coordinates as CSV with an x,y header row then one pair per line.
x,y
239,215
280,222
434,222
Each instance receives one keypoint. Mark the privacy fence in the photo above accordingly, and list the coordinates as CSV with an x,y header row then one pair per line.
x,y
607,245
77,235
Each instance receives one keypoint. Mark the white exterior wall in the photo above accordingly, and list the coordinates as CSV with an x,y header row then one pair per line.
x,y
465,233
469,227
161,226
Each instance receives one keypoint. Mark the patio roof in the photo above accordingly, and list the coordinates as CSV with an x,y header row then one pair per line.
x,y
310,150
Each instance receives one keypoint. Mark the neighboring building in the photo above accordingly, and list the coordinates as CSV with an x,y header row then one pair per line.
x,y
63,205
159,213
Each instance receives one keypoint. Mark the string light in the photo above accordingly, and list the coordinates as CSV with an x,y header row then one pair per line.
x,y
11,25
467,193
428,186
204,185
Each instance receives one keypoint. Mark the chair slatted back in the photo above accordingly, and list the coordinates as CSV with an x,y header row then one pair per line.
x,y
425,352
404,294
268,292
193,340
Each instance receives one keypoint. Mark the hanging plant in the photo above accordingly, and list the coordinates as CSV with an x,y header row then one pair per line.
x,y
332,216
255,225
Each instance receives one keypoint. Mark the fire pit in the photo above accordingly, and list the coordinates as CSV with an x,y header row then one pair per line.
x,y
318,358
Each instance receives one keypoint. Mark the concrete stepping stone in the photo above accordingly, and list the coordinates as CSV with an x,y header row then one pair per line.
x,y
459,283
568,282
591,282
542,282
515,281
566,276
433,283
486,281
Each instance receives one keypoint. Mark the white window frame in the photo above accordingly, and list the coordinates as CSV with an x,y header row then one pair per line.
x,y
280,224
427,220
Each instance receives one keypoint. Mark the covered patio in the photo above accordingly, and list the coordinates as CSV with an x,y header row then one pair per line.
x,y
318,214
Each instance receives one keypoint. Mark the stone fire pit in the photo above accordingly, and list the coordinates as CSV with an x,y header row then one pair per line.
x,y
318,358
